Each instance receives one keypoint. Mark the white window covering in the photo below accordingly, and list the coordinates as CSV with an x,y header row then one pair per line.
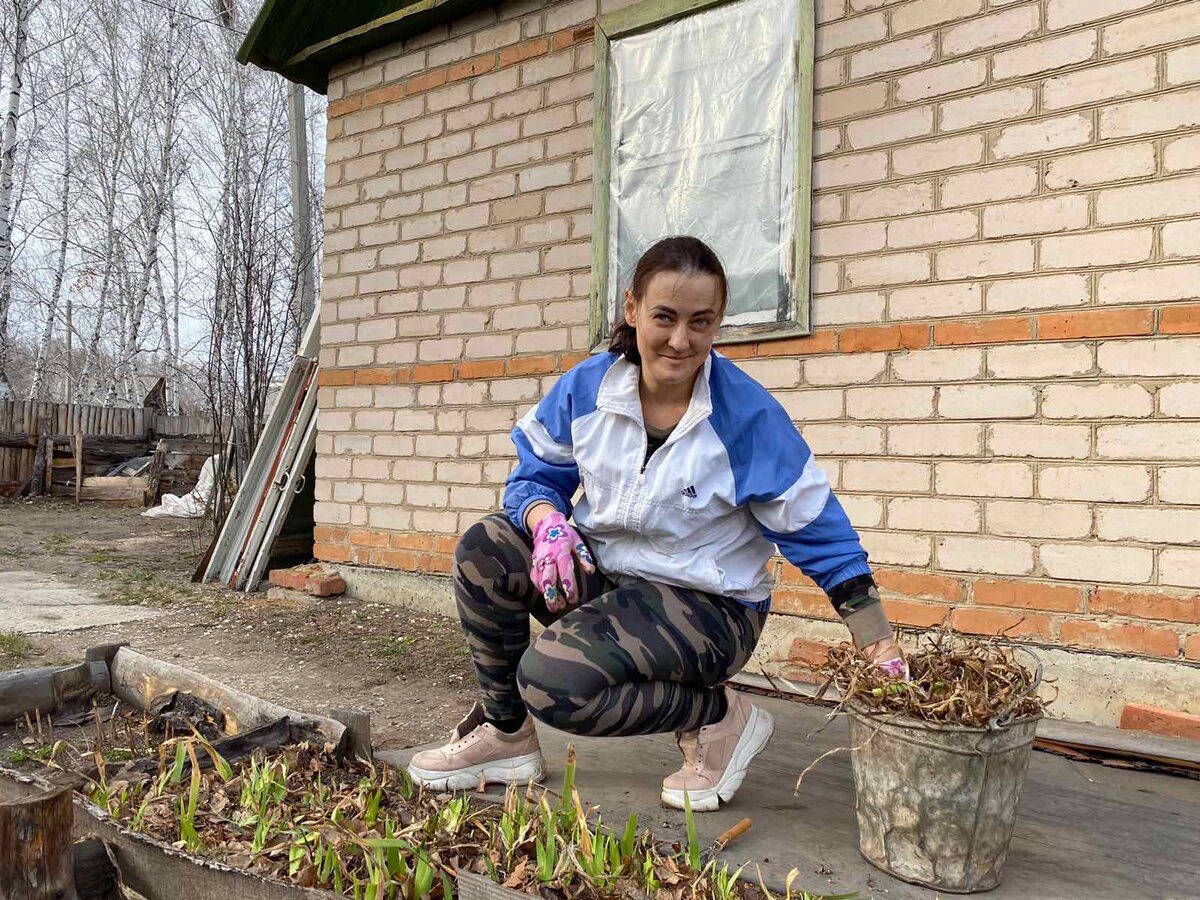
x,y
703,143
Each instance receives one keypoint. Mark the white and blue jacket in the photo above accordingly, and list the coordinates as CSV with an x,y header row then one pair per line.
x,y
733,479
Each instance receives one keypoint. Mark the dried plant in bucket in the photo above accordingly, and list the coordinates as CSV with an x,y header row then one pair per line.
x,y
955,680
939,759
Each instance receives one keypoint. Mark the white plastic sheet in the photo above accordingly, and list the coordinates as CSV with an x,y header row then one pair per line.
x,y
189,506
703,143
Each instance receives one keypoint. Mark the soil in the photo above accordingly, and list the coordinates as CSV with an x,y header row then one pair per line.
x,y
411,671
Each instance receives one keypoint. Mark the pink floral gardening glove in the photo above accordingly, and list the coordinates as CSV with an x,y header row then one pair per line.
x,y
554,544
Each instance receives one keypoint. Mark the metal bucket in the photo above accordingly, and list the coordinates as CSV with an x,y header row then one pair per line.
x,y
936,803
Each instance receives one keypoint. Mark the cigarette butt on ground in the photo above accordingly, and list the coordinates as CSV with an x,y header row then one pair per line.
x,y
732,834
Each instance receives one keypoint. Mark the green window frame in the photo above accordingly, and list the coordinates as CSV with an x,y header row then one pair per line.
x,y
648,15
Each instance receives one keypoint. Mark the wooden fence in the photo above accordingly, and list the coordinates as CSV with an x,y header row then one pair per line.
x,y
136,426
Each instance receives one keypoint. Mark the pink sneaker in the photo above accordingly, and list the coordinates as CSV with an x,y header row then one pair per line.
x,y
716,757
478,749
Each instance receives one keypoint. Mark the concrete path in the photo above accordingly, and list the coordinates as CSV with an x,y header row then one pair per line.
x,y
1084,830
37,603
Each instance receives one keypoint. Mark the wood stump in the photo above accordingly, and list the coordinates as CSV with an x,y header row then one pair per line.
x,y
36,856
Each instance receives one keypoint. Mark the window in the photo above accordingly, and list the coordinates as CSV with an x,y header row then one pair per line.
x,y
704,127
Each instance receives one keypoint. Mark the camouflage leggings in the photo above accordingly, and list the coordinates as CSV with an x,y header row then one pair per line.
x,y
636,658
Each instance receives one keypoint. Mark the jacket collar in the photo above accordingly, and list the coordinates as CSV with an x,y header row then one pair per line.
x,y
619,393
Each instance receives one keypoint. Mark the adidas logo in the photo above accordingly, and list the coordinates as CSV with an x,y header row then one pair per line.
x,y
689,491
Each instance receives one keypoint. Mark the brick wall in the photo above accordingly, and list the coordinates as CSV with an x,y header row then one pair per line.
x,y
1004,378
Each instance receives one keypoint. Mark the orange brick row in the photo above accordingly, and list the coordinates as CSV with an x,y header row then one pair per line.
x,y
1135,322
430,79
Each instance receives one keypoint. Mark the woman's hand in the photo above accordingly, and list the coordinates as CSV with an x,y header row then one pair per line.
x,y
555,544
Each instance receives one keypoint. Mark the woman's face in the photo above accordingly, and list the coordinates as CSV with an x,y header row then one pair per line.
x,y
677,321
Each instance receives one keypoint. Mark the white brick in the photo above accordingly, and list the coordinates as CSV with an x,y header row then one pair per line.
x,y
845,369
987,555
1094,562
1065,13
986,108
888,403
891,128
987,185
864,512
1040,441
896,268
934,81
1043,216
772,373
1098,83
1165,112
1101,248
1038,292
840,240
1180,400
1100,166
1154,357
1043,135
1173,441
1162,26
991,31
1179,484
890,476
1028,518
950,364
986,401
891,200
1150,526
827,208
1181,240
895,549
1039,360
1157,200
850,33
808,405
975,260
1183,65
922,14
1150,285
1044,56
858,168
1115,484
922,514
1181,567
935,300
935,439
890,57
936,156
829,106
925,231
840,440
841,309
987,479
1096,401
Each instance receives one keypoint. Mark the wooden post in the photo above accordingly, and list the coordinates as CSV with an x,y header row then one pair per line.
x,y
78,465
154,475
36,859
45,453
358,732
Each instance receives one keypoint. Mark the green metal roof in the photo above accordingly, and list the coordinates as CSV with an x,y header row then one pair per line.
x,y
302,39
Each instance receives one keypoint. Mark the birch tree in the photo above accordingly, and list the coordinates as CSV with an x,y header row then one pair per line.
x,y
22,10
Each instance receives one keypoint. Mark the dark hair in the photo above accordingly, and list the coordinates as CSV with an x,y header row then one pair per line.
x,y
680,253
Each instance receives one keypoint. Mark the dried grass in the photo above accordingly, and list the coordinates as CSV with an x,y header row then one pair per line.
x,y
955,680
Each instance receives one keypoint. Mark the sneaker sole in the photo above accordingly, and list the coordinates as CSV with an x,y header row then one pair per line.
x,y
515,770
755,735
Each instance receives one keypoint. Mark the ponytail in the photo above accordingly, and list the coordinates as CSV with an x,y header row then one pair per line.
x,y
624,342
